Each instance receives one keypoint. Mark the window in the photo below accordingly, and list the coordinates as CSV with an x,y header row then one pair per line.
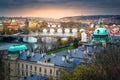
x,y
57,72
22,66
26,73
30,72
26,66
22,73
50,71
45,71
18,65
40,69
18,68
9,64
30,67
35,68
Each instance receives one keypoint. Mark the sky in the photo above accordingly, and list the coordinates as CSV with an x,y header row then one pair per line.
x,y
58,8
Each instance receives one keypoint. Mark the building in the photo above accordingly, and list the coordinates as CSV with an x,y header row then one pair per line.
x,y
22,64
54,24
1,25
100,35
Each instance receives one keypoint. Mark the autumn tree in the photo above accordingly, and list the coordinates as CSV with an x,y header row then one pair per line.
x,y
71,39
109,59
105,66
85,73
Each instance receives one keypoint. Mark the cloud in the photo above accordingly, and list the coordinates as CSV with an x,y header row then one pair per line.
x,y
78,6
90,3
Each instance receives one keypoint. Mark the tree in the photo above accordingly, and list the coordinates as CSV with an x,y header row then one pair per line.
x,y
105,66
71,39
85,73
109,59
75,43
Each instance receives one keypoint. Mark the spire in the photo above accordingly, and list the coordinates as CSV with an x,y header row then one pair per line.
x,y
27,22
101,23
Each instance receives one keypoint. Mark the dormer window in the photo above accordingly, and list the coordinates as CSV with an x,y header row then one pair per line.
x,y
98,31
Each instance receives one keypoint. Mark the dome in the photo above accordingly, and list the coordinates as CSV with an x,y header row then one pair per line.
x,y
17,48
101,31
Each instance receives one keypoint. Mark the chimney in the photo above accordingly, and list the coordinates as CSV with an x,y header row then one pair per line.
x,y
63,58
87,50
28,53
67,57
53,55
20,52
95,47
71,60
42,55
45,60
32,53
74,50
68,51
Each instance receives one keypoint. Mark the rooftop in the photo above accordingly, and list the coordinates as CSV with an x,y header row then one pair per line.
x,y
69,58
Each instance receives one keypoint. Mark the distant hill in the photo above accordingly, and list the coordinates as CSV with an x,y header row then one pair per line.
x,y
93,17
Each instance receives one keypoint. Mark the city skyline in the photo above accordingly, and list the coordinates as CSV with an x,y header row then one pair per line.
x,y
58,8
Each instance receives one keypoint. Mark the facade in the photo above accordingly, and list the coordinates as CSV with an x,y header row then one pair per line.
x,y
54,24
1,25
21,69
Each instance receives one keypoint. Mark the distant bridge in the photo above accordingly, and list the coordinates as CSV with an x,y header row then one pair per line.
x,y
36,35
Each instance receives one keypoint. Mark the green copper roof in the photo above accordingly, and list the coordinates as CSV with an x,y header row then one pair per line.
x,y
101,31
17,47
13,54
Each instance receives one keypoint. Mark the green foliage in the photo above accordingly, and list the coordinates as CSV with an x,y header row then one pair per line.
x,y
61,49
85,73
75,43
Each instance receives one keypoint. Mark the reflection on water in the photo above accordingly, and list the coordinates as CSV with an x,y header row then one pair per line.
x,y
44,44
